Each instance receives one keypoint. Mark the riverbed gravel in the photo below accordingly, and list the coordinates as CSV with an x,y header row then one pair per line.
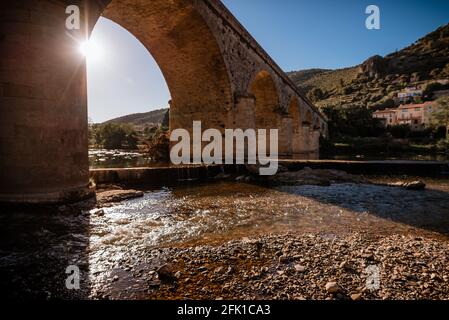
x,y
289,266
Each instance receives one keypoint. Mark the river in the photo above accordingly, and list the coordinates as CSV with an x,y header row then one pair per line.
x,y
38,244
100,158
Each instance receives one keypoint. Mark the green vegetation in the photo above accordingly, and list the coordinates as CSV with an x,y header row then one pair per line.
x,y
158,143
352,121
443,145
349,96
440,117
113,136
376,82
147,132
353,130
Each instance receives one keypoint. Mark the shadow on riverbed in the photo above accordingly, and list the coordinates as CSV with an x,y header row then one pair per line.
x,y
37,245
428,209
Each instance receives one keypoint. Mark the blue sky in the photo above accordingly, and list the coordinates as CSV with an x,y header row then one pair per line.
x,y
298,34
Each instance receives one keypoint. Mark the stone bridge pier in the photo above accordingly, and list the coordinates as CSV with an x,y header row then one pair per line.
x,y
215,70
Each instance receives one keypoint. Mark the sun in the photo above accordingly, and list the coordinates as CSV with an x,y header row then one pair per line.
x,y
90,50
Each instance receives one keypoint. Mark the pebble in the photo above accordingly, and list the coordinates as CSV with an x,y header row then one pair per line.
x,y
300,268
342,259
332,287
356,296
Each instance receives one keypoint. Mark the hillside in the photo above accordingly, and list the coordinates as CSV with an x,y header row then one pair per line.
x,y
376,82
141,120
303,76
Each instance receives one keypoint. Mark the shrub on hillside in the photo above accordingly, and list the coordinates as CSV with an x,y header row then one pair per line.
x,y
352,121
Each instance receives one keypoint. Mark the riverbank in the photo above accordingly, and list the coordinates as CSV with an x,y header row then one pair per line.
x,y
177,175
308,266
348,241
378,148
233,239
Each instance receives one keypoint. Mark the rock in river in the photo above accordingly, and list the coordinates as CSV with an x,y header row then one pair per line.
x,y
414,185
114,196
332,287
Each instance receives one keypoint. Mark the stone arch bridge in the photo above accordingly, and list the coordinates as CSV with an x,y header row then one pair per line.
x,y
215,70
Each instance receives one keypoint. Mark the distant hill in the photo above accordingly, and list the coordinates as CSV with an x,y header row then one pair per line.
x,y
303,76
376,82
322,78
141,120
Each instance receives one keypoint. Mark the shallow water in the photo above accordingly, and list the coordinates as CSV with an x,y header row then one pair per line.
x,y
101,158
38,244
227,210
385,156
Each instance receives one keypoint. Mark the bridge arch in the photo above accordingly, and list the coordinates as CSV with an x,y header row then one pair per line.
x,y
296,126
188,55
308,120
204,53
264,90
45,114
266,103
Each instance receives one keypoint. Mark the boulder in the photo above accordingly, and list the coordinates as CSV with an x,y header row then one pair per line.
x,y
114,196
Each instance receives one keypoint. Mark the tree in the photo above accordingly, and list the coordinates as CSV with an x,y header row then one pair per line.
x,y
440,116
352,121
316,94
115,136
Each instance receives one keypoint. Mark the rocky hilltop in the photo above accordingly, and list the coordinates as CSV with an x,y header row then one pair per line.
x,y
376,82
142,120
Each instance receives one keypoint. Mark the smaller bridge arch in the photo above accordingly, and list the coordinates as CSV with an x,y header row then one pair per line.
x,y
265,92
308,121
296,126
266,102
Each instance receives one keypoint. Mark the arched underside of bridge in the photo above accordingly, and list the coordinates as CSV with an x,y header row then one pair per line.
x,y
43,128
44,150
188,55
266,101
293,111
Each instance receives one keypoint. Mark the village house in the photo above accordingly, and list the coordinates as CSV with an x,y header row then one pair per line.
x,y
387,116
417,116
409,93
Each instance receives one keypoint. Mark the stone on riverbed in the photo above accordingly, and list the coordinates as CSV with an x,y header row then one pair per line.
x,y
332,287
414,185
114,196
166,273
98,212
356,296
300,268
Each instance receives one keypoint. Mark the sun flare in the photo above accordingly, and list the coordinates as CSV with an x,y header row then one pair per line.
x,y
90,50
